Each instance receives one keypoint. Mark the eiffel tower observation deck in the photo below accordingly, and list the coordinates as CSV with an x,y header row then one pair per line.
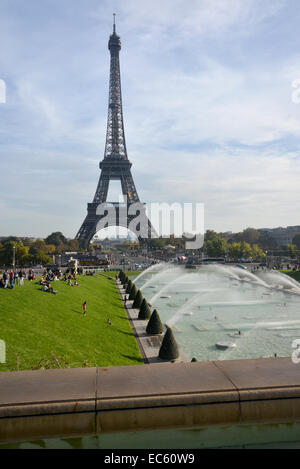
x,y
114,166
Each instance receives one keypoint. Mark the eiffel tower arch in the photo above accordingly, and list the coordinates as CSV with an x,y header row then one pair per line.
x,y
115,166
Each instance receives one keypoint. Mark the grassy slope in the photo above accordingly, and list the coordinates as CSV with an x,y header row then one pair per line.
x,y
34,324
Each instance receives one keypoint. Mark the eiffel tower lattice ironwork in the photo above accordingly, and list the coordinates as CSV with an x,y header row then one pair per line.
x,y
115,165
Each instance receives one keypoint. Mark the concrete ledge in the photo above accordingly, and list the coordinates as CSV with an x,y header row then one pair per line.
x,y
26,393
169,400
161,380
40,404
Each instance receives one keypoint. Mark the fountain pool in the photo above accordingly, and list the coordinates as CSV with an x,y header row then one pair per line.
x,y
258,313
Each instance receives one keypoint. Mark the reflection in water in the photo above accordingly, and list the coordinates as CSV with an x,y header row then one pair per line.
x,y
282,435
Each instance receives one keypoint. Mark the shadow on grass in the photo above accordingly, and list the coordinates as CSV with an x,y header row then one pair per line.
x,y
78,312
135,359
124,332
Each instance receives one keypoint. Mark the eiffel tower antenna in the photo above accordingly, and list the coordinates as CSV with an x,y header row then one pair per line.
x,y
115,164
114,15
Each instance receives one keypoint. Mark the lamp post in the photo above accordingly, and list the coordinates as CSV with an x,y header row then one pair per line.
x,y
14,256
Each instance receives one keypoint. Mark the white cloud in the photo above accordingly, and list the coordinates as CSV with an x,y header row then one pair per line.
x,y
207,118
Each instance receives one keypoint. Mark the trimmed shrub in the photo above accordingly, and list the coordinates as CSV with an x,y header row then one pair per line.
x,y
145,311
194,359
154,325
133,292
169,348
129,286
138,300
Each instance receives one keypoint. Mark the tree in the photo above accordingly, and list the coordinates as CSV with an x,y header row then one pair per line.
x,y
129,286
169,348
57,239
234,250
38,246
154,325
73,245
145,311
250,235
210,235
7,253
258,253
43,259
246,250
216,247
292,250
137,300
133,292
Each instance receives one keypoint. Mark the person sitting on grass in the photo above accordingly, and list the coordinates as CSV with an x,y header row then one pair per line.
x,y
109,322
43,281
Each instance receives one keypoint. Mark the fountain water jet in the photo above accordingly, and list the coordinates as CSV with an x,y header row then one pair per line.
x,y
216,302
166,287
150,269
158,277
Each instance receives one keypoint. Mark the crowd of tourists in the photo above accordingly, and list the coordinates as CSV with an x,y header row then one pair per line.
x,y
69,276
13,277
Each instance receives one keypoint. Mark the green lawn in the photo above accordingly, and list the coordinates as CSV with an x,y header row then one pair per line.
x,y
42,330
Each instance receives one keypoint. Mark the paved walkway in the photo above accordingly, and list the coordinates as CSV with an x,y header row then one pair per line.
x,y
149,345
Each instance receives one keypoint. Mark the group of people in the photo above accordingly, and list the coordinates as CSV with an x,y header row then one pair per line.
x,y
54,275
11,278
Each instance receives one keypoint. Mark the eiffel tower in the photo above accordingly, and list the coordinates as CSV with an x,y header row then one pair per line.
x,y
115,166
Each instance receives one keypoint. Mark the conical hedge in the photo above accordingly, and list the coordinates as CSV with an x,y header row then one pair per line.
x,y
145,311
129,286
133,292
121,274
138,300
169,348
154,325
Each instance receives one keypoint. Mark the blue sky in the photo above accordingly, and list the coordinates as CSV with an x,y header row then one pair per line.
x,y
207,101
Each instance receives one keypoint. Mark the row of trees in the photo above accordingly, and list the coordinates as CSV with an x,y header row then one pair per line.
x,y
216,245
28,252
249,243
239,246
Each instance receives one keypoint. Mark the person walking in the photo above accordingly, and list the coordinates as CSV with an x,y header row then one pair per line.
x,y
84,308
